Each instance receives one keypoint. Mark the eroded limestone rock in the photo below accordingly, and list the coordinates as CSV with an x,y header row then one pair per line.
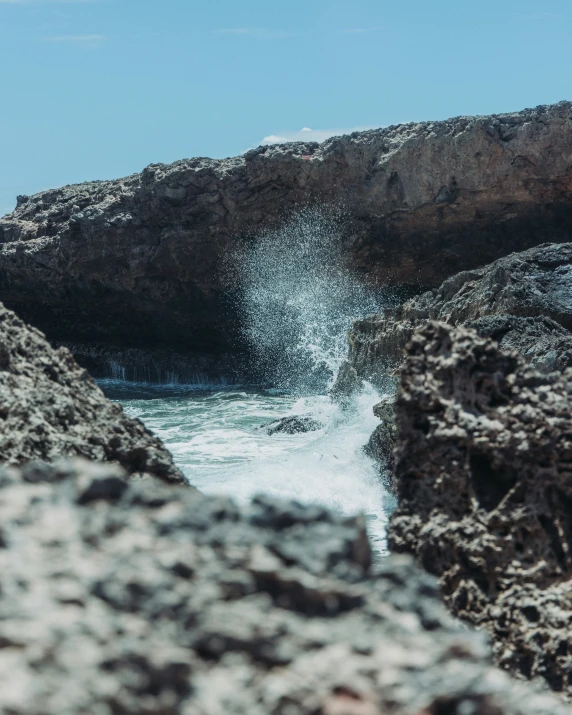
x,y
541,341
484,476
140,261
382,443
292,424
347,384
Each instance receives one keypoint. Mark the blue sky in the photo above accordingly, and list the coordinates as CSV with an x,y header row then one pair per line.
x,y
94,89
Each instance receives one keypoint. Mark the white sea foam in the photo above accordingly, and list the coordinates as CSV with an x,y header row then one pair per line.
x,y
217,440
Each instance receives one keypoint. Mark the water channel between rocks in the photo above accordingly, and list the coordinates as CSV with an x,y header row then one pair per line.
x,y
216,439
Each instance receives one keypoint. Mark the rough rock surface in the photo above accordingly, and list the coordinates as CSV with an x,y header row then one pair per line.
x,y
542,342
382,443
346,385
134,598
137,261
523,300
484,475
292,424
50,407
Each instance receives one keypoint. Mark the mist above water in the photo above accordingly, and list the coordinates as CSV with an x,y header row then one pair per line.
x,y
299,298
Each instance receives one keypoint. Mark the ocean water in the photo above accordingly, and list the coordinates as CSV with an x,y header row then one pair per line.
x,y
216,439
296,301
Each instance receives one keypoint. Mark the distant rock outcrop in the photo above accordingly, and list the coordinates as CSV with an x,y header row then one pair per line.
x,y
292,424
137,262
524,301
50,407
136,598
484,478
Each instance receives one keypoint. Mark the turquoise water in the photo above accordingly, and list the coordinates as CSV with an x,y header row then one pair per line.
x,y
216,439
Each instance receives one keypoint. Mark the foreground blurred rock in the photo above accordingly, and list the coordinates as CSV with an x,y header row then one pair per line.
x,y
50,407
484,476
141,261
130,598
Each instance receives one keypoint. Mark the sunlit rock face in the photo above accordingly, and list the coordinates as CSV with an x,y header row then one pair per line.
x,y
484,481
139,261
138,597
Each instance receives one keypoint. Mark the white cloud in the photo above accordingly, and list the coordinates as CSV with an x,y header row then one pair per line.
x,y
309,135
90,41
256,32
273,139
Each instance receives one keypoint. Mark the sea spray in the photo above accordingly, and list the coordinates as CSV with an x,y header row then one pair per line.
x,y
298,297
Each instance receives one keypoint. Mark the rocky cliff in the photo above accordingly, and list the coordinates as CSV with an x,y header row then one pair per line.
x,y
484,479
139,598
50,407
138,261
